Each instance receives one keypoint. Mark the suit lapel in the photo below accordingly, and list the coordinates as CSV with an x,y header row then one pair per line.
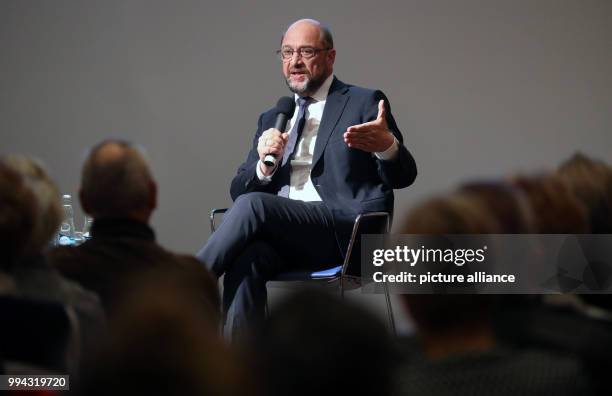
x,y
334,106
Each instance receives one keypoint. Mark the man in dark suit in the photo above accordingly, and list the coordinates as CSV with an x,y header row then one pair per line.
x,y
119,192
342,155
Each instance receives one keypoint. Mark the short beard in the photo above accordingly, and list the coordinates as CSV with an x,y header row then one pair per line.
x,y
307,88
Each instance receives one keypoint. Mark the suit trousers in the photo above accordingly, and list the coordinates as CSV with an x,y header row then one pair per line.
x,y
262,235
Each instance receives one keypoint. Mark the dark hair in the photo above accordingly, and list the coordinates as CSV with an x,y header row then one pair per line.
x,y
314,343
326,36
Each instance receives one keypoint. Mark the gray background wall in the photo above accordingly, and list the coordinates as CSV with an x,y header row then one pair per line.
x,y
479,88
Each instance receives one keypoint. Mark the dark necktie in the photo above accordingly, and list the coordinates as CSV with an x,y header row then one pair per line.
x,y
294,137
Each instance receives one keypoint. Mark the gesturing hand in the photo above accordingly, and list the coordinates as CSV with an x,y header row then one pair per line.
x,y
373,136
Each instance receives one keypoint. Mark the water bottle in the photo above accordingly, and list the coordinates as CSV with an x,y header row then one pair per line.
x,y
66,232
87,223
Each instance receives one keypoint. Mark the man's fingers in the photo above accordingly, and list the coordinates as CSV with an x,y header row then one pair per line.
x,y
275,146
269,133
360,139
275,140
362,127
382,113
364,134
359,146
355,139
379,122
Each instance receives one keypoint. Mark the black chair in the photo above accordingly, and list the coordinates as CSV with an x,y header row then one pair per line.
x,y
345,275
38,334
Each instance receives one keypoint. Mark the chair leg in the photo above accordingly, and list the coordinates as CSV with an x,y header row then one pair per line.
x,y
389,310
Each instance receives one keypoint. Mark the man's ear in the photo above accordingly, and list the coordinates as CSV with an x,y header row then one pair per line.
x,y
84,203
331,55
152,195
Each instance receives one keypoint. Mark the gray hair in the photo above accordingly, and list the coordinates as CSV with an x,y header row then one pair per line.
x,y
115,179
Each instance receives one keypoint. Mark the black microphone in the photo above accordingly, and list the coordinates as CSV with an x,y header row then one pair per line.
x,y
284,109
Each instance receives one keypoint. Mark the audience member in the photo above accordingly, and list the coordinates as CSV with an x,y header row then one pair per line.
x,y
591,182
565,316
506,203
556,209
17,215
459,351
34,277
119,192
165,311
316,344
164,342
36,214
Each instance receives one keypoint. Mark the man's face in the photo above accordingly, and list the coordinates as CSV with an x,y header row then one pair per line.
x,y
305,76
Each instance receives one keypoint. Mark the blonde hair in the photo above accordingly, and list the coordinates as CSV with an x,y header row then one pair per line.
x,y
49,212
458,213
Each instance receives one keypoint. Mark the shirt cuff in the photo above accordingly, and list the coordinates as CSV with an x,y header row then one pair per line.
x,y
263,179
390,153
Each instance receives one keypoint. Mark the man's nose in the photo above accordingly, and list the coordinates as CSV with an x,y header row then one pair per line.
x,y
296,60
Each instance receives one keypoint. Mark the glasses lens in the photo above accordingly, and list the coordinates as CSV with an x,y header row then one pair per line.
x,y
287,53
307,52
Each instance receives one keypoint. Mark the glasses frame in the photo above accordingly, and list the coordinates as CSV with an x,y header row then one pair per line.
x,y
298,51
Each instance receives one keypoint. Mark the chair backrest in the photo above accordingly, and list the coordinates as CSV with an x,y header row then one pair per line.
x,y
365,223
213,217
36,332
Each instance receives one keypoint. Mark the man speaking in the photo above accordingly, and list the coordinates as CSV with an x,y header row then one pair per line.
x,y
300,189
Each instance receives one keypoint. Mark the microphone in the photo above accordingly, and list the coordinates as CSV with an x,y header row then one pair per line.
x,y
284,111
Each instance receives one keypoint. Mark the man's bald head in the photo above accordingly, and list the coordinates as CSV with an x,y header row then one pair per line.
x,y
116,182
325,35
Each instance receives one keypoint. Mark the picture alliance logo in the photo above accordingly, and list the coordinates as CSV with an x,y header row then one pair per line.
x,y
407,255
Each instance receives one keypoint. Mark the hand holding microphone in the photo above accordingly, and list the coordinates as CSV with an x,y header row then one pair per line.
x,y
270,147
272,142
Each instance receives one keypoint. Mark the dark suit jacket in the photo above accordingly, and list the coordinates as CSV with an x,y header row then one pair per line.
x,y
349,181
122,252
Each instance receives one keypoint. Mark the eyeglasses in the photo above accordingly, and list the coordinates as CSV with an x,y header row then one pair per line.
x,y
305,52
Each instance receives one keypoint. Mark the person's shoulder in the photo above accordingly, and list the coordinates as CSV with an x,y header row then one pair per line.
x,y
64,258
359,91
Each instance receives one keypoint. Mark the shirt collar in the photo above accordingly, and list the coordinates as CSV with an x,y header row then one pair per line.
x,y
121,228
323,90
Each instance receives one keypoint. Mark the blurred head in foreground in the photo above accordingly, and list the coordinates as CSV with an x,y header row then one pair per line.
x,y
164,342
454,323
590,181
507,204
556,210
458,213
317,344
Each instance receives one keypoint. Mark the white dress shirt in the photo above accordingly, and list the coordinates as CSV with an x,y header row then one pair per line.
x,y
301,187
